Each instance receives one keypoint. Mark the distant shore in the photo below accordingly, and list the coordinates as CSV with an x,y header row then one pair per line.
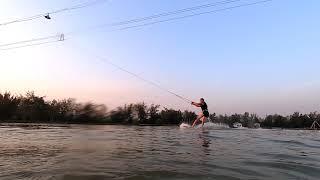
x,y
30,124
43,125
33,109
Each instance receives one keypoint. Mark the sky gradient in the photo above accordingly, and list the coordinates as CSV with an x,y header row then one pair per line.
x,y
262,58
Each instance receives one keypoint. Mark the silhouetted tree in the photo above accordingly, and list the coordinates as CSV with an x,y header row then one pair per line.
x,y
62,111
123,115
33,108
153,114
189,116
171,116
279,121
8,106
295,120
141,112
233,119
90,113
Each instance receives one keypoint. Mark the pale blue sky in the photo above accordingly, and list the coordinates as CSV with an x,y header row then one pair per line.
x,y
263,58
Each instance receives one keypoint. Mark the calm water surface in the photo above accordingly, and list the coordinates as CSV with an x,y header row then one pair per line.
x,y
130,152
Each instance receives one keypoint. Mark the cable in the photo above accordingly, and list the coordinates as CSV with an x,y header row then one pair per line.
x,y
28,45
172,13
192,15
30,40
157,16
79,6
156,22
102,59
135,20
139,19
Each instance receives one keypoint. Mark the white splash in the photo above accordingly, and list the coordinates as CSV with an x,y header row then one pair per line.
x,y
206,125
185,125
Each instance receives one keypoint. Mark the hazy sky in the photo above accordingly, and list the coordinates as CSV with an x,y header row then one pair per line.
x,y
263,58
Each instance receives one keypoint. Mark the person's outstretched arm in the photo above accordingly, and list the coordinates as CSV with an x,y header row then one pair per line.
x,y
196,104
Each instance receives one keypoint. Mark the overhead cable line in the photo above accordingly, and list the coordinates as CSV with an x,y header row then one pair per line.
x,y
157,22
155,16
132,21
31,40
46,15
192,15
33,44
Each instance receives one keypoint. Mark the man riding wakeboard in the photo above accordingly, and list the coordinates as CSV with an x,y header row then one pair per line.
x,y
205,113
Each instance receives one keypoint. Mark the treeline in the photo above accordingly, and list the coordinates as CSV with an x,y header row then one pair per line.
x,y
35,109
30,108
296,120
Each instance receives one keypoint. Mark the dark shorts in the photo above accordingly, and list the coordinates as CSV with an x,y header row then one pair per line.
x,y
206,114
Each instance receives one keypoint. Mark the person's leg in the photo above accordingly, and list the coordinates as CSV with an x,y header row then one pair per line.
x,y
195,121
204,119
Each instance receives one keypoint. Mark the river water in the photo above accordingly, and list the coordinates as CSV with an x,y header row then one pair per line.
x,y
133,152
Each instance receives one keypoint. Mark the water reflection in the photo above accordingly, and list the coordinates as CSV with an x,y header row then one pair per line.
x,y
205,140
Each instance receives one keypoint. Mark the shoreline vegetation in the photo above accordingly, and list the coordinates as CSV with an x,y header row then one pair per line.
x,y
30,109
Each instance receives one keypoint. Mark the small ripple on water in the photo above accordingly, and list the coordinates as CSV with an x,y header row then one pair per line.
x,y
296,170
294,142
